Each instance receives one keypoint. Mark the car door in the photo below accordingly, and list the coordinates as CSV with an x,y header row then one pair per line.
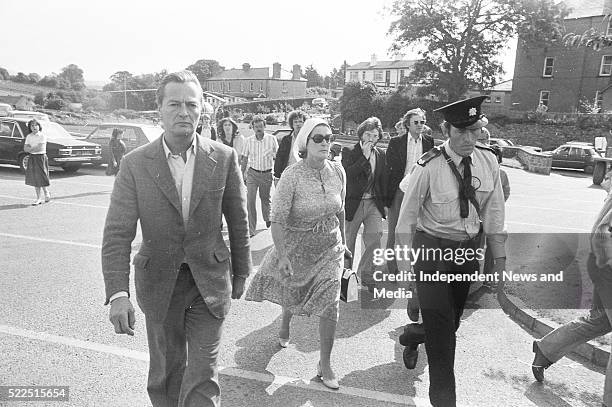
x,y
577,157
560,157
131,138
11,141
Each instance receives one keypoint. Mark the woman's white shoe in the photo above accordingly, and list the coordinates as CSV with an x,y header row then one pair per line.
x,y
330,383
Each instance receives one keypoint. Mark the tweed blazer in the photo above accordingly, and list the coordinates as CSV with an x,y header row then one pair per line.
x,y
144,191
358,170
396,162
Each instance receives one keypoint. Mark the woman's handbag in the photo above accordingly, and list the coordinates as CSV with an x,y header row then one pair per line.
x,y
349,284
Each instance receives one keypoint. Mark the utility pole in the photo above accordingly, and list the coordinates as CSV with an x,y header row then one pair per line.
x,y
125,92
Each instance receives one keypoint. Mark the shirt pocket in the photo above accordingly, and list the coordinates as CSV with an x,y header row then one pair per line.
x,y
444,205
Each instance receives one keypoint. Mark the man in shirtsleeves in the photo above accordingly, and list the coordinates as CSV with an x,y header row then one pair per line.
x,y
453,195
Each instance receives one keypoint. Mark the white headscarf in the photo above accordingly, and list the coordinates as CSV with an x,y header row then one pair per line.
x,y
302,138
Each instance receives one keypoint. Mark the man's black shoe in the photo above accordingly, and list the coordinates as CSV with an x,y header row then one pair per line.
x,y
540,363
268,223
413,334
411,356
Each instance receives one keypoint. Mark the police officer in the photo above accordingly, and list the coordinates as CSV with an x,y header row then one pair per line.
x,y
453,194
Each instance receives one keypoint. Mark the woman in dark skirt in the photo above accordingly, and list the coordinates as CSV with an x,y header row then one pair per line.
x,y
37,170
117,151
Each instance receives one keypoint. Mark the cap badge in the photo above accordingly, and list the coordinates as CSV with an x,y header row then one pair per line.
x,y
472,111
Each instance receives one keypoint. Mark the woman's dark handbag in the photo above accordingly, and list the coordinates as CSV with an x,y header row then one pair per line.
x,y
349,284
112,168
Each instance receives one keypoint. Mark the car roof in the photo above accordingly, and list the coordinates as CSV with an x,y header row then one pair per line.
x,y
126,125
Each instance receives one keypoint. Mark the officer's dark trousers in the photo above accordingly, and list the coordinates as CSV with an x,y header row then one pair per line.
x,y
442,304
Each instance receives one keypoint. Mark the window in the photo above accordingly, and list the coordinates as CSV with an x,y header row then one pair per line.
x,y
401,75
544,97
363,76
609,30
497,99
488,100
598,99
387,78
241,87
577,151
378,76
228,86
606,65
548,67
251,87
354,77
261,86
284,87
8,130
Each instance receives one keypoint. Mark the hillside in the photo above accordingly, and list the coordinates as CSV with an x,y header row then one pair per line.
x,y
16,89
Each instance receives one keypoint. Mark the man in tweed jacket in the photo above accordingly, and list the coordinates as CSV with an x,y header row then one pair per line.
x,y
178,187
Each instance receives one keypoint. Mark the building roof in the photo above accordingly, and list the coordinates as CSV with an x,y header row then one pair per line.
x,y
588,8
505,86
383,65
251,74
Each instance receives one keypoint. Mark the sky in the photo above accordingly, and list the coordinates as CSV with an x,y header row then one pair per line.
x,y
106,36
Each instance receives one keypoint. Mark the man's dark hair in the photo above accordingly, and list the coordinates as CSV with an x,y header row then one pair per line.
x,y
178,77
31,122
257,119
371,123
295,115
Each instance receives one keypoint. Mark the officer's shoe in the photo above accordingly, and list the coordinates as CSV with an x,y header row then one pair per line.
x,y
413,334
540,363
411,356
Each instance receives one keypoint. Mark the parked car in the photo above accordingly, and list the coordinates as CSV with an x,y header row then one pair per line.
x,y
280,133
5,109
27,114
134,135
502,142
576,155
63,150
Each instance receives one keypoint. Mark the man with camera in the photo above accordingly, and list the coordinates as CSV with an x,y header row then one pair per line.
x,y
366,191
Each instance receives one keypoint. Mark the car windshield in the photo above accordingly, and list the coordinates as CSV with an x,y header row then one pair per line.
x,y
152,132
54,131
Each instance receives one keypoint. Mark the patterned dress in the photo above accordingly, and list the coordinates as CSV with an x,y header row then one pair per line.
x,y
305,204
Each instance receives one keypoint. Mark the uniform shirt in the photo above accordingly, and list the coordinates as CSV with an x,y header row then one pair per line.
x,y
38,142
431,201
260,153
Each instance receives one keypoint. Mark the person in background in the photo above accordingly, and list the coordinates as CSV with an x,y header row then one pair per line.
x,y
257,162
117,151
177,188
302,271
37,170
285,157
205,129
598,321
228,134
366,194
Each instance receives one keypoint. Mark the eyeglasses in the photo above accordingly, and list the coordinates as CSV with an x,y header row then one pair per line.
x,y
419,122
318,138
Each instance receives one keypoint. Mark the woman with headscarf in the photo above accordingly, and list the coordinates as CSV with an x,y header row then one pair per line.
x,y
117,151
37,170
228,134
302,271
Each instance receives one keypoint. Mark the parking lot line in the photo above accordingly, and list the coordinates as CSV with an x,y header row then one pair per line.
x,y
227,371
56,201
40,239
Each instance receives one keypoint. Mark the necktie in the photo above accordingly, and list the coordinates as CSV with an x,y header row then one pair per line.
x,y
466,191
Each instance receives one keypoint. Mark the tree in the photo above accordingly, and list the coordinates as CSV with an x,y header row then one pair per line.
x,y
21,78
595,38
459,40
4,74
49,81
73,75
312,77
356,101
205,68
34,77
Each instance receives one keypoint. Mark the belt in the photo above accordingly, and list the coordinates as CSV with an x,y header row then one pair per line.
x,y
264,171
449,243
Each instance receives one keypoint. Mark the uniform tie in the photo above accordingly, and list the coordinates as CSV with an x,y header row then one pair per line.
x,y
466,192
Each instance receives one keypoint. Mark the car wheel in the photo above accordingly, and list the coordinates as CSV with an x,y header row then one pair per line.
x,y
23,162
71,168
599,172
588,169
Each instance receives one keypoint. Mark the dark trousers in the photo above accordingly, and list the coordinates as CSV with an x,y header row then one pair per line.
x,y
183,350
442,305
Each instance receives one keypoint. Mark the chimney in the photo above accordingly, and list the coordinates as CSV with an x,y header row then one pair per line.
x,y
297,72
373,59
276,70
246,67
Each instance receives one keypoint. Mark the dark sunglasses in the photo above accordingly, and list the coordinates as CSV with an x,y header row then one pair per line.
x,y
317,138
417,122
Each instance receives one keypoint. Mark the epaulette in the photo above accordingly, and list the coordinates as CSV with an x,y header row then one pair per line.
x,y
428,156
483,147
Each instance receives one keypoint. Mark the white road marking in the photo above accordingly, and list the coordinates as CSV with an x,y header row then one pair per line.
x,y
40,239
227,371
551,227
55,202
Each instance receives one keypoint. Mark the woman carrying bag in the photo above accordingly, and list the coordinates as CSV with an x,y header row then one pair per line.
x,y
117,151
